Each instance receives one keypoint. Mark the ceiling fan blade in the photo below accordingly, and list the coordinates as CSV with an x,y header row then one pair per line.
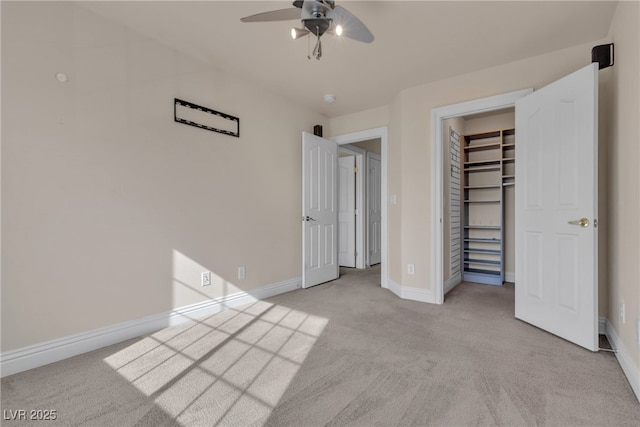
x,y
352,27
274,15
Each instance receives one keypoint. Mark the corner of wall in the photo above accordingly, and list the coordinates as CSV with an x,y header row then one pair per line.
x,y
625,359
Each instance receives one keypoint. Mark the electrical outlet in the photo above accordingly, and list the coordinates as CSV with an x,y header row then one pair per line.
x,y
622,314
410,269
205,278
242,272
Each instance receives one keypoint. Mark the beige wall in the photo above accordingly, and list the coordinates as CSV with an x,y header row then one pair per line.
x,y
364,120
623,207
395,191
373,146
488,122
110,209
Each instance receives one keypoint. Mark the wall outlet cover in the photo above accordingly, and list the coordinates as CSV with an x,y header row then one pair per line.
x,y
205,278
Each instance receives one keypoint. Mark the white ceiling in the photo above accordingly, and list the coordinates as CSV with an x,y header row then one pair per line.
x,y
416,42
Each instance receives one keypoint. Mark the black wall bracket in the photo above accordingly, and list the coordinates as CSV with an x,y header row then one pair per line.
x,y
603,55
201,117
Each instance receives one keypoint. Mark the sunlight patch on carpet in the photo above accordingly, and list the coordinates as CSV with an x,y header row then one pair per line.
x,y
229,368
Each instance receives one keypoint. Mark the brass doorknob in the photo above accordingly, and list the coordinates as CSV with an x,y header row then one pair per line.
x,y
582,222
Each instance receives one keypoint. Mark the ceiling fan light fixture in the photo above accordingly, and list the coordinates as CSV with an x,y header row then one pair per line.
x,y
338,30
296,33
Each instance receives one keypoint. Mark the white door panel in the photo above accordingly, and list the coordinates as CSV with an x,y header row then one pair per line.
x,y
556,182
374,208
347,211
319,210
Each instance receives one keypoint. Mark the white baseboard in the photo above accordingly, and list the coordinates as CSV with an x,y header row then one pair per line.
x,y
509,276
625,360
14,361
414,294
394,287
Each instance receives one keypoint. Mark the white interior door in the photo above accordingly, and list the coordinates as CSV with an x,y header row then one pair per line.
x,y
347,211
319,210
374,208
556,208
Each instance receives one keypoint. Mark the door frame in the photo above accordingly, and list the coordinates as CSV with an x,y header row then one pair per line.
x,y
438,115
366,135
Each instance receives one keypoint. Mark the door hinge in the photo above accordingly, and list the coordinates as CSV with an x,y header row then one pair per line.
x,y
355,254
355,212
355,169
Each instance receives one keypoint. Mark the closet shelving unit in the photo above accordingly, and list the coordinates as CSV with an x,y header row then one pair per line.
x,y
488,166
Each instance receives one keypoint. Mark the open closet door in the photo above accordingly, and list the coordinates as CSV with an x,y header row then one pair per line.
x,y
319,210
556,208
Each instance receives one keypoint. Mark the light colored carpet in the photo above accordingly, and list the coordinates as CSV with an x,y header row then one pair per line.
x,y
343,353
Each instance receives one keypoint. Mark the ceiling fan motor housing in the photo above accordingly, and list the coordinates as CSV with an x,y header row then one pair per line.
x,y
317,26
329,3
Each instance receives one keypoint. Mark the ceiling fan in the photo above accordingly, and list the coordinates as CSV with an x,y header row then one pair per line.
x,y
318,17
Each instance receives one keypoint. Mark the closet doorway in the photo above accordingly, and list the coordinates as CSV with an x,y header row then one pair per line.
x,y
479,197
493,104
